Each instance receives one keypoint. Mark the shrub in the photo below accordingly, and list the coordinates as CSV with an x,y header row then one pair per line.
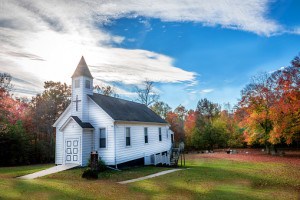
x,y
101,166
90,174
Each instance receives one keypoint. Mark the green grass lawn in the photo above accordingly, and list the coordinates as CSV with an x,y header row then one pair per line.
x,y
205,179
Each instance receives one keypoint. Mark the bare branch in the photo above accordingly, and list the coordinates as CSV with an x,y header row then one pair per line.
x,y
146,94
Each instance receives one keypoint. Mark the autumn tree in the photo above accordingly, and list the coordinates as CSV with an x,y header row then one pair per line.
x,y
176,121
146,93
45,110
285,112
190,126
255,106
161,108
15,145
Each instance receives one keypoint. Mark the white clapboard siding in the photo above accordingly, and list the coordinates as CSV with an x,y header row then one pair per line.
x,y
73,131
100,119
87,139
138,148
59,149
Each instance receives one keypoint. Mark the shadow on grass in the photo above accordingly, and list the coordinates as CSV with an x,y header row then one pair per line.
x,y
223,180
40,189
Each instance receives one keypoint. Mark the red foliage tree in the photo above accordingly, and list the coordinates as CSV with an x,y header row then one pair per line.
x,y
190,126
285,112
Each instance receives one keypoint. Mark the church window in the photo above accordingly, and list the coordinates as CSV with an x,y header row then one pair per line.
x,y
146,135
128,136
102,141
77,83
87,84
159,134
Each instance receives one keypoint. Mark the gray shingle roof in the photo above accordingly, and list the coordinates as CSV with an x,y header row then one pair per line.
x,y
82,124
123,110
82,69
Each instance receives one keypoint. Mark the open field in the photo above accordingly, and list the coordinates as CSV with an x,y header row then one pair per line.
x,y
211,176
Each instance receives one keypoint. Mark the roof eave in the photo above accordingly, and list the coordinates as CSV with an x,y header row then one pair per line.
x,y
139,122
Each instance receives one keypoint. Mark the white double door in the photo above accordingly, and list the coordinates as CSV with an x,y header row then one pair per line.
x,y
72,148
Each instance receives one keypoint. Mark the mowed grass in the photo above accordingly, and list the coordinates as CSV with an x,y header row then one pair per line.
x,y
12,172
109,175
206,178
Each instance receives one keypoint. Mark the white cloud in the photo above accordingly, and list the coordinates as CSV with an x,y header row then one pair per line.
x,y
205,91
43,40
236,14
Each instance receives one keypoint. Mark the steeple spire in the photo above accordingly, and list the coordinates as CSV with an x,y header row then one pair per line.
x,y
82,69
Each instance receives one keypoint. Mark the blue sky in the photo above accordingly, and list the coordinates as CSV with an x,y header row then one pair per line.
x,y
191,50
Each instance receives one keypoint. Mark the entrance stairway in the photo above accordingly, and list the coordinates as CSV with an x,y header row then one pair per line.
x,y
176,154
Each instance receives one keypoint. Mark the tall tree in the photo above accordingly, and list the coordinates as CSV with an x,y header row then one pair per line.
x,y
190,126
146,94
45,110
235,137
207,109
161,108
5,82
176,120
106,90
285,112
255,105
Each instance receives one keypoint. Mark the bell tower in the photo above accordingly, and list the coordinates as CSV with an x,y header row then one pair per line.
x,y
82,86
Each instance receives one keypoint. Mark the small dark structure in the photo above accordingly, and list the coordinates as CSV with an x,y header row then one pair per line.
x,y
94,161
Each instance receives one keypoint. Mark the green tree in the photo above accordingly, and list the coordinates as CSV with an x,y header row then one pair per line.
x,y
161,108
15,147
207,110
45,110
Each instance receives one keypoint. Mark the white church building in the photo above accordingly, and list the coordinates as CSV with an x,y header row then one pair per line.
x,y
119,130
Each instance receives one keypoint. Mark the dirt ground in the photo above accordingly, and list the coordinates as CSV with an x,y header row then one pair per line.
x,y
291,157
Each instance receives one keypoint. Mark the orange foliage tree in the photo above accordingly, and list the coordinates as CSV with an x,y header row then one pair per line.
x,y
285,112
269,109
254,110
190,126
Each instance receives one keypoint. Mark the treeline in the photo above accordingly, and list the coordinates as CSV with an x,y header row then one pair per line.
x,y
26,132
205,128
268,114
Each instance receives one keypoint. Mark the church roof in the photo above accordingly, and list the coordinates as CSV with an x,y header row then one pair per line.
x,y
77,120
82,124
123,110
82,69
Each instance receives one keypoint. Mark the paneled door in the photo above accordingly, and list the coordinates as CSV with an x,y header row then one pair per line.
x,y
72,150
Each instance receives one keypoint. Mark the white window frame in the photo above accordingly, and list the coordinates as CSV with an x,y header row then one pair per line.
x,y
105,137
130,141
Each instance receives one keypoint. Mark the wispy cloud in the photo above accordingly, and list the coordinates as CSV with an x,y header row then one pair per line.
x,y
235,14
205,91
43,40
